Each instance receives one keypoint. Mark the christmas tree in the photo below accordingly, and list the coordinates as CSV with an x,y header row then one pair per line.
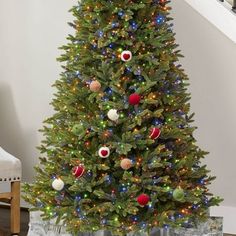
x,y
119,152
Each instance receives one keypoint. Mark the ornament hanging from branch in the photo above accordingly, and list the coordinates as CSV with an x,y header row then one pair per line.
x,y
78,171
155,133
126,56
134,99
104,152
95,86
126,164
113,114
58,184
143,199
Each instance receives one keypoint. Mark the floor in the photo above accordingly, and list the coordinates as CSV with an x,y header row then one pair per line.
x,y
5,223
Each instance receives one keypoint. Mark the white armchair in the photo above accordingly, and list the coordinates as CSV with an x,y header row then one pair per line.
x,y
10,171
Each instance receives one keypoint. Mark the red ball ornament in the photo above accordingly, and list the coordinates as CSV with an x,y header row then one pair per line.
x,y
143,199
78,171
155,133
134,99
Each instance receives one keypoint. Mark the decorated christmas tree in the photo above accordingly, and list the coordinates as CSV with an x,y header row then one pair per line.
x,y
119,152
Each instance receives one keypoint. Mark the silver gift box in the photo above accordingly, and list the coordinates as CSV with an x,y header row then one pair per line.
x,y
37,227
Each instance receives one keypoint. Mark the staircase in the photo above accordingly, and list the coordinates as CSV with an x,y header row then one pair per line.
x,y
232,3
218,13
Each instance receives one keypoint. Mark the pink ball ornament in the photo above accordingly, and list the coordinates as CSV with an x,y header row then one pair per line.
x,y
95,86
126,56
104,152
155,133
126,164
78,171
134,99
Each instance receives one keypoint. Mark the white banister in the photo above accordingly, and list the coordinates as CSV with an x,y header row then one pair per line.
x,y
219,14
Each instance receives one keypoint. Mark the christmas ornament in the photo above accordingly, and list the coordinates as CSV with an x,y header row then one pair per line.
x,y
95,86
104,152
126,56
113,115
78,171
108,91
126,164
58,184
78,129
178,194
155,133
134,99
143,199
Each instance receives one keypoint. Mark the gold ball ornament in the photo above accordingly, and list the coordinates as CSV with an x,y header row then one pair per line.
x,y
126,164
95,86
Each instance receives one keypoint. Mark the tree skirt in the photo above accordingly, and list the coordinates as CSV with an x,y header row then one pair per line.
x,y
37,227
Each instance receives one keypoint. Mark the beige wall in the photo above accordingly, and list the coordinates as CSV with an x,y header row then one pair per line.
x,y
31,31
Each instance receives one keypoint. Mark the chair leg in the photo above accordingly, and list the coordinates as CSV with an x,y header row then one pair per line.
x,y
15,207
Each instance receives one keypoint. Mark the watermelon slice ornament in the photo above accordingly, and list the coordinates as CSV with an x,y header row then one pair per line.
x,y
78,171
155,133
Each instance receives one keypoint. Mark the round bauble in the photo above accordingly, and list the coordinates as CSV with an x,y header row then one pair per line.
x,y
113,115
95,86
126,164
178,194
134,99
126,55
78,129
78,171
155,133
143,199
104,152
58,184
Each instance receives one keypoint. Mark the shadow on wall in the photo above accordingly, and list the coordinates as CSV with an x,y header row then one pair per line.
x,y
12,137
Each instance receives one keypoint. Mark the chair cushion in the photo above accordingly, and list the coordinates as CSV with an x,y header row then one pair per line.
x,y
10,167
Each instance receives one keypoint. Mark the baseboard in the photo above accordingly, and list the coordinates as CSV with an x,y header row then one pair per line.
x,y
229,214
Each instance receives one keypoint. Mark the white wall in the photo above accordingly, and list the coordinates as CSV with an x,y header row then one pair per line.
x,y
30,33
210,61
32,30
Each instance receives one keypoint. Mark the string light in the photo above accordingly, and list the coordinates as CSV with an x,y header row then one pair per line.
x,y
133,77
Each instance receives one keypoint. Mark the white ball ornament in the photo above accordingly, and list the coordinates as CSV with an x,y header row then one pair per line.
x,y
104,152
126,55
113,115
58,184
